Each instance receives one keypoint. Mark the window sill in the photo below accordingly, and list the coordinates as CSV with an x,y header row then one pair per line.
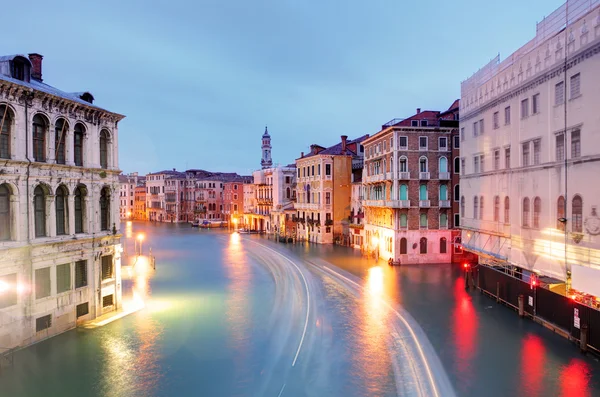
x,y
575,97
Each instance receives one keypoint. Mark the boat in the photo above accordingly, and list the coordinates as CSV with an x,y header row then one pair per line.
x,y
196,223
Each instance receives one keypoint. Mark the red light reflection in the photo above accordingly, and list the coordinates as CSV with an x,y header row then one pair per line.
x,y
465,323
574,379
533,361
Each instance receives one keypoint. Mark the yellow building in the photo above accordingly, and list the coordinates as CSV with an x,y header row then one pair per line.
x,y
323,191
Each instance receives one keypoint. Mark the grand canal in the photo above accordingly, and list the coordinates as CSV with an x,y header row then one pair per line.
x,y
238,315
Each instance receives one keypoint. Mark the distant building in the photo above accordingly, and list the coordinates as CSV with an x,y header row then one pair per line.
x,y
60,250
323,191
139,203
357,215
249,203
156,204
233,201
266,161
530,156
126,195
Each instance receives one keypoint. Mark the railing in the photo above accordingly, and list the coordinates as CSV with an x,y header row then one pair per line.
x,y
424,203
376,178
444,203
404,176
424,176
374,203
444,176
398,203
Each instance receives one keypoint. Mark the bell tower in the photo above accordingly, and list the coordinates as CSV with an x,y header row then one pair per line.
x,y
266,161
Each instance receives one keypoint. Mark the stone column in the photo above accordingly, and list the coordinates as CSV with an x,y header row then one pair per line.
x,y
88,215
69,147
71,213
50,215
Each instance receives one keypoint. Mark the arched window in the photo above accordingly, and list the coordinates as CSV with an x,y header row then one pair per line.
x,y
423,221
403,192
462,207
443,192
456,192
383,169
6,119
308,193
403,221
443,220
104,149
403,246
423,164
481,207
475,207
403,164
443,164
60,136
60,204
39,206
423,245
423,192
5,213
457,165
105,209
577,209
288,193
78,144
39,138
443,244
526,212
391,164
537,209
79,209
506,210
497,209
560,213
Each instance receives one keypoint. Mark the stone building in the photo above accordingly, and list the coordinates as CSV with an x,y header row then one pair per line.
x,y
408,188
323,191
156,203
529,153
233,199
60,251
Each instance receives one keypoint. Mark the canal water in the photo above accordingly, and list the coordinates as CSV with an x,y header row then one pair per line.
x,y
222,318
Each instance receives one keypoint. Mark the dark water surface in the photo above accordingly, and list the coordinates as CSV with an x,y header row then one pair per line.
x,y
224,318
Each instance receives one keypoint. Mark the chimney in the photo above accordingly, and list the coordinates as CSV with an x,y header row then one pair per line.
x,y
344,138
36,66
418,110
301,154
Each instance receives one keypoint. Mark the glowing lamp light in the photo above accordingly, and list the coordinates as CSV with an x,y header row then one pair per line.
x,y
573,297
375,241
140,237
235,221
466,265
128,214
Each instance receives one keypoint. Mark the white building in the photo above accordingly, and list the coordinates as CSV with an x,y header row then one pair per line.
x,y
530,130
274,194
59,241
155,195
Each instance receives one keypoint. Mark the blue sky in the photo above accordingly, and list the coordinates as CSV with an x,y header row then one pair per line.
x,y
199,80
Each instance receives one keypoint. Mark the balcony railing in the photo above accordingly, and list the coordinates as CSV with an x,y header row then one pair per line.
x,y
444,203
376,178
398,203
389,175
424,203
444,176
404,176
374,203
424,176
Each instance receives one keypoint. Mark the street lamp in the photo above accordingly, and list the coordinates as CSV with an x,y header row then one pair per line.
x,y
140,238
235,221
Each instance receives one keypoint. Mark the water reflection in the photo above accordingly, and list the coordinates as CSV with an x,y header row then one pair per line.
x,y
464,331
575,378
371,358
238,306
533,364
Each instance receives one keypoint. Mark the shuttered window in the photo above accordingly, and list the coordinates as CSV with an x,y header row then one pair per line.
x,y
63,278
107,267
82,309
42,283
42,323
81,278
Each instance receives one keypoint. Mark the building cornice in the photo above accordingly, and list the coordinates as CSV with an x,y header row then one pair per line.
x,y
590,51
17,93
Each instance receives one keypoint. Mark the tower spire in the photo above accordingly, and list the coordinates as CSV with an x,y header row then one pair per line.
x,y
266,161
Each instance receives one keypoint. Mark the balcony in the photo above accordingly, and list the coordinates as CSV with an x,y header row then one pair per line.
x,y
403,176
398,203
444,176
374,203
424,176
375,178
389,175
424,203
445,204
